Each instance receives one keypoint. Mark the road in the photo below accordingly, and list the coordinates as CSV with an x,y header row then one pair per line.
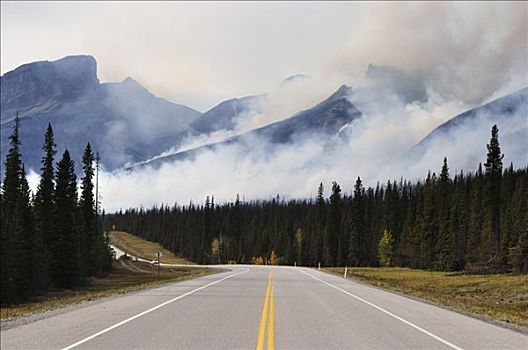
x,y
261,307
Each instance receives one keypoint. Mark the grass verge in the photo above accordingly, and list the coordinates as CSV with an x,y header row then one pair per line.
x,y
499,297
142,248
127,276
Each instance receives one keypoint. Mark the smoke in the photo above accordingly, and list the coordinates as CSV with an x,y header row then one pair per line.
x,y
373,147
468,52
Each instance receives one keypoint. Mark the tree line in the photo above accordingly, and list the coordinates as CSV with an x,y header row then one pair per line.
x,y
467,221
51,239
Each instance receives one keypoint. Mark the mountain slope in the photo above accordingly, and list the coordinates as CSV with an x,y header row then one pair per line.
x,y
121,120
323,120
509,112
224,115
326,118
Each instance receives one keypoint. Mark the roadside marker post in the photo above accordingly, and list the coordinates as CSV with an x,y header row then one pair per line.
x,y
158,255
319,266
346,269
295,264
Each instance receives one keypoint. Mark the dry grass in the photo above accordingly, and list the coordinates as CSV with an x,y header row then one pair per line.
x,y
500,297
127,276
141,248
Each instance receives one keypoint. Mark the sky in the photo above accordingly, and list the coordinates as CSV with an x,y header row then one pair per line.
x,y
201,53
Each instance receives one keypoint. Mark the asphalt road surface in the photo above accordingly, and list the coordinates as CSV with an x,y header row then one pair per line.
x,y
259,307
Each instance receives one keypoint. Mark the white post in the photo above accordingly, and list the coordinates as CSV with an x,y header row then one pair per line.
x,y
346,268
319,266
295,264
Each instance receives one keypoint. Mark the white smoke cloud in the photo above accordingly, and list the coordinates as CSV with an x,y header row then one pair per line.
x,y
371,147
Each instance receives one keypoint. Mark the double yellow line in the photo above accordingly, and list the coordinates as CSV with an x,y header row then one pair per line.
x,y
267,319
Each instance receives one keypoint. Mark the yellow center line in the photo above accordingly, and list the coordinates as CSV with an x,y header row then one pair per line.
x,y
267,310
271,324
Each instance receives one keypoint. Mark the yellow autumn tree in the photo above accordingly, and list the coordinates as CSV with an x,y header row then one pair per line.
x,y
273,258
257,260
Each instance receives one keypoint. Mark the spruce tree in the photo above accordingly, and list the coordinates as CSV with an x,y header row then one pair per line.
x,y
358,243
44,206
508,238
44,201
458,220
445,244
476,218
25,243
321,224
519,253
90,240
428,225
65,253
492,201
333,228
11,193
408,248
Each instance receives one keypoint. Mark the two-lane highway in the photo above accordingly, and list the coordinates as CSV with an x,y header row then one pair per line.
x,y
261,307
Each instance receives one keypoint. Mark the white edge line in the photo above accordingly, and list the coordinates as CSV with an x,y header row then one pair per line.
x,y
386,312
119,324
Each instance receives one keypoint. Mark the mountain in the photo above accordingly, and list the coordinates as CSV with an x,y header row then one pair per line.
x,y
509,112
224,115
123,121
326,119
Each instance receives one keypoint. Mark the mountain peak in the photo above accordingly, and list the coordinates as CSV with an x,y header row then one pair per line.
x,y
130,80
42,82
342,92
77,61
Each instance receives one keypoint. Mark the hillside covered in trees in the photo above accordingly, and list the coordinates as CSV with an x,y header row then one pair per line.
x,y
447,222
51,239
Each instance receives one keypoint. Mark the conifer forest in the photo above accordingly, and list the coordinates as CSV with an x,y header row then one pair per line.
x,y
474,221
52,239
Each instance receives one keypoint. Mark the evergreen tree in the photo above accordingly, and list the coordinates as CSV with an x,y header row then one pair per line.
x,y
44,206
90,240
519,253
445,245
333,228
320,226
476,218
358,244
409,248
24,233
44,201
493,194
428,223
65,253
11,195
458,221
508,239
